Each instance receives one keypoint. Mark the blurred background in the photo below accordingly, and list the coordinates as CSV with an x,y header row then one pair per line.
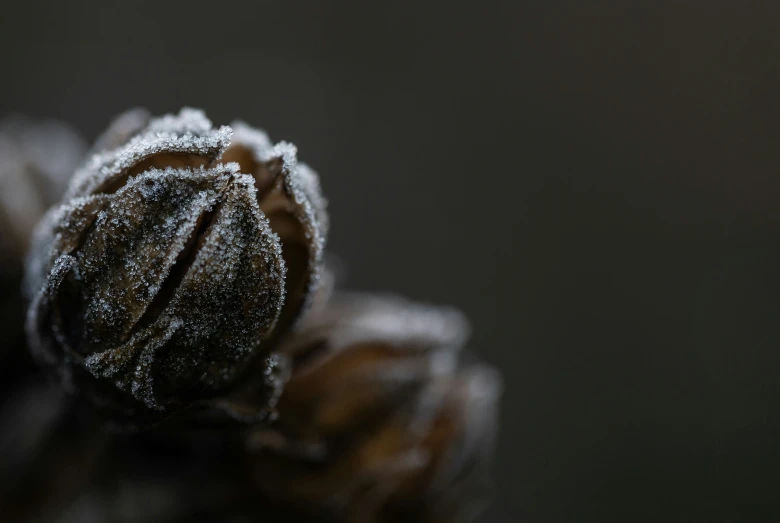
x,y
594,183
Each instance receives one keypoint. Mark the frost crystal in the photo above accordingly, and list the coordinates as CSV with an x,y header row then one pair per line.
x,y
174,263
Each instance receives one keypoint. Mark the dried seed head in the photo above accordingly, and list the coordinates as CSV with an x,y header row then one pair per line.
x,y
377,422
162,275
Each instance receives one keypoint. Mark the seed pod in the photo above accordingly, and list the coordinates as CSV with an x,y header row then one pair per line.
x,y
377,422
36,160
161,278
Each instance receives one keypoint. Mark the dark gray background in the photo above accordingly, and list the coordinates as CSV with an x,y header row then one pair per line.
x,y
594,183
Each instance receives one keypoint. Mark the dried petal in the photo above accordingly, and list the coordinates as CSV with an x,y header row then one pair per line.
x,y
289,194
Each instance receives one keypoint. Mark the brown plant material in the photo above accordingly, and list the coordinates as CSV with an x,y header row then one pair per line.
x,y
378,422
173,278
175,261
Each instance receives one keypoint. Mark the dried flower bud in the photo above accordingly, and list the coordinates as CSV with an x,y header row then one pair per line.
x,y
377,423
36,160
167,270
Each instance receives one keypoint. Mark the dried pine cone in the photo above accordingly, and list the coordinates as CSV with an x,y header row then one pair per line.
x,y
168,269
377,422
37,159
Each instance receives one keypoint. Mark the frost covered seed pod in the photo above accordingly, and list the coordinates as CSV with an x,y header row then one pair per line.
x,y
377,422
163,273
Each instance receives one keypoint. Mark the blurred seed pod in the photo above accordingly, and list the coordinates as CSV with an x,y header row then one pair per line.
x,y
168,268
377,422
37,158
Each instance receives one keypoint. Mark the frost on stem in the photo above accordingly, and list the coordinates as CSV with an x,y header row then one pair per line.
x,y
171,266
